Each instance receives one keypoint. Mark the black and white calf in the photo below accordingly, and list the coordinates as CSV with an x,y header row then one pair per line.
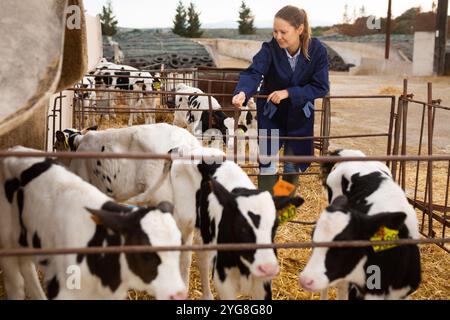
x,y
46,206
115,76
108,75
247,118
248,127
219,200
143,101
365,203
112,76
369,187
87,99
224,206
196,120
69,139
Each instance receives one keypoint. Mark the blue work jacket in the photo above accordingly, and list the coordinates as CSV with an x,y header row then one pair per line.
x,y
295,115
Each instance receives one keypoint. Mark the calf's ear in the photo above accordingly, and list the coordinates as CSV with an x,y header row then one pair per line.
x,y
171,101
339,204
86,130
223,195
165,206
219,118
326,167
242,127
283,202
93,128
122,222
391,220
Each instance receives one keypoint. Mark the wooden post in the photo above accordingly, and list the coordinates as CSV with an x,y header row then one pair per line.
x,y
388,31
441,37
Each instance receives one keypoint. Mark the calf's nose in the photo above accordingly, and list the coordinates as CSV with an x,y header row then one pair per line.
x,y
269,269
306,283
181,295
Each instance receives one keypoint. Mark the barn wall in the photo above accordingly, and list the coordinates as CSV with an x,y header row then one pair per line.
x,y
423,60
94,40
30,134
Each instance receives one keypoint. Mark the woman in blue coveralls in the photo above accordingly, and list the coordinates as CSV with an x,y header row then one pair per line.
x,y
294,70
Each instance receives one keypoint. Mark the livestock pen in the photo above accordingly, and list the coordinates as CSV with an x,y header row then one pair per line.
x,y
421,170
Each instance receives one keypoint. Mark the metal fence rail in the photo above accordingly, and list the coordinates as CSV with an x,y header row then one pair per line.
x,y
435,215
218,247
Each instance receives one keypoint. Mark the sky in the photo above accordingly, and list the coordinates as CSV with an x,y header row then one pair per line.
x,y
222,13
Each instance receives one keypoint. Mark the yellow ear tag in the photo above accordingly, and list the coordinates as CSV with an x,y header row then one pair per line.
x,y
283,188
384,234
156,85
66,142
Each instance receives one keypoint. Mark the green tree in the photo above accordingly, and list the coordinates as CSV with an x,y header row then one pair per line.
x,y
179,22
404,24
109,22
246,20
410,14
193,21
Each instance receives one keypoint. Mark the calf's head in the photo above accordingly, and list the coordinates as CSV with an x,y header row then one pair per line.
x,y
182,100
248,216
338,222
69,139
327,167
156,83
156,272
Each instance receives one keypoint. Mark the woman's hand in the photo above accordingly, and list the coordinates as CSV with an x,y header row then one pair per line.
x,y
277,96
238,99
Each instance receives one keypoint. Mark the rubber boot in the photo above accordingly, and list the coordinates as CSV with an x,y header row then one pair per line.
x,y
290,211
292,179
266,182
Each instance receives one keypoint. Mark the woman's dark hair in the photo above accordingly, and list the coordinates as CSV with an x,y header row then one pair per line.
x,y
297,17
